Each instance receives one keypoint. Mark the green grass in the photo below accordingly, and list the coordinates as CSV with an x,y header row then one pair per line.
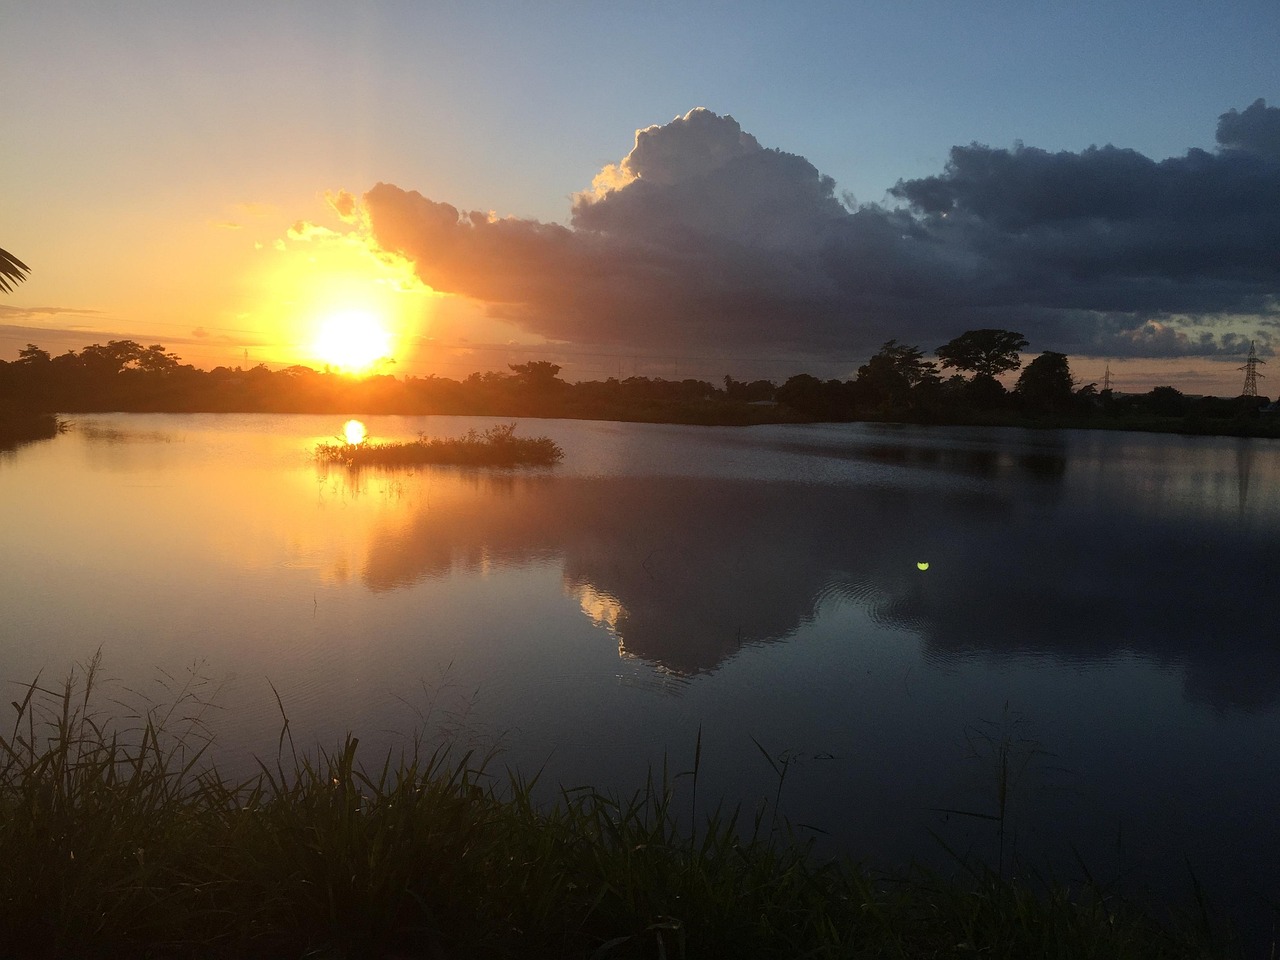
x,y
496,447
118,839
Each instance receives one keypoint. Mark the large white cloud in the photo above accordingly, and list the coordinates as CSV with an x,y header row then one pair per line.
x,y
700,239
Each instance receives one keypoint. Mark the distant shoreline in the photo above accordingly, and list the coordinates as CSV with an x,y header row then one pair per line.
x,y
16,428
896,386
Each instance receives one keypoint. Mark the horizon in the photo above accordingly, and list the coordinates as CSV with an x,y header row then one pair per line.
x,y
652,368
352,189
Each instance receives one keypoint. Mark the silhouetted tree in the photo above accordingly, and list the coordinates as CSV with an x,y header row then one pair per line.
x,y
891,375
752,392
985,353
1045,384
801,392
1086,400
1166,402
12,271
112,358
807,395
537,375
155,359
984,392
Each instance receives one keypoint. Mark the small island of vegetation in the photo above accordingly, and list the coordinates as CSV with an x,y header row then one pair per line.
x,y
496,447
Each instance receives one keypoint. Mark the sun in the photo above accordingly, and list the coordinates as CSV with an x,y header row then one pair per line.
x,y
352,341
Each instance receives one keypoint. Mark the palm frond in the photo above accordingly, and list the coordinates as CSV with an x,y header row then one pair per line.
x,y
12,271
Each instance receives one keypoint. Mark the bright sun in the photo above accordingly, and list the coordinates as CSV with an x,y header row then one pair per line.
x,y
352,341
353,431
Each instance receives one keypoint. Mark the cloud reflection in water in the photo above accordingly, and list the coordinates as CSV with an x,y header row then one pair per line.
x,y
685,571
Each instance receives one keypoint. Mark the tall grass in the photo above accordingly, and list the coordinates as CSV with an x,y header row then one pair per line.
x,y
120,839
496,447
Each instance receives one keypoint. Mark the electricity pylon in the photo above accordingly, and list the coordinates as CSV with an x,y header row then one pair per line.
x,y
1251,373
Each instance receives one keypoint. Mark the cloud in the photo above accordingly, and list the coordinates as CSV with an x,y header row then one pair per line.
x,y
1156,339
701,175
1255,131
305,230
702,240
10,313
75,337
1109,229
344,205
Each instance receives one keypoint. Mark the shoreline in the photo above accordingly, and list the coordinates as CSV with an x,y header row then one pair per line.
x,y
118,838
23,428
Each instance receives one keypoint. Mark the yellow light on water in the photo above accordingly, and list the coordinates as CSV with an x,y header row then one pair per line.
x,y
354,431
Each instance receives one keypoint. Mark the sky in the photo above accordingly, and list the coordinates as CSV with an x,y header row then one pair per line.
x,y
652,189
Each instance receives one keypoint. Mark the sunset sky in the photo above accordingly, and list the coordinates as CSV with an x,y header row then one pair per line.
x,y
456,187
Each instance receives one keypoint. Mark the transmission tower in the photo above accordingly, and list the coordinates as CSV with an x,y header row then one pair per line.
x,y
1106,378
1251,373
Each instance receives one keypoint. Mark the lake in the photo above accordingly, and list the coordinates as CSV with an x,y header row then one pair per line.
x,y
1098,609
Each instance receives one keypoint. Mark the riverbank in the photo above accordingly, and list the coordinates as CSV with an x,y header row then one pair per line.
x,y
119,840
713,412
16,428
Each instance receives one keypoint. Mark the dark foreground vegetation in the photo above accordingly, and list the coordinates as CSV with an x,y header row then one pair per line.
x,y
496,447
118,840
16,428
897,384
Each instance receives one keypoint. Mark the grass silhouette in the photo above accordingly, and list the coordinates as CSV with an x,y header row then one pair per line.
x,y
118,838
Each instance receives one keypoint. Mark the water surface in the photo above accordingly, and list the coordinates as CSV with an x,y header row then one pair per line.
x,y
1104,604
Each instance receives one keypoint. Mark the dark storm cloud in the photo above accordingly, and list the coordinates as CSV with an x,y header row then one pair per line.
x,y
1109,229
702,239
1256,131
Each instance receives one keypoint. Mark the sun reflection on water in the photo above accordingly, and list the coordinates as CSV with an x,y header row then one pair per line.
x,y
354,432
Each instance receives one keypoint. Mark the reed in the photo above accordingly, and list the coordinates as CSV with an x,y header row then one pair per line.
x,y
496,447
119,839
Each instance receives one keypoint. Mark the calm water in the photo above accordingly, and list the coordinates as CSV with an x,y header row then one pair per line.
x,y
1106,604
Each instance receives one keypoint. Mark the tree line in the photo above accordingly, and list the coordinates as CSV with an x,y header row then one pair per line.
x,y
899,383
960,384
